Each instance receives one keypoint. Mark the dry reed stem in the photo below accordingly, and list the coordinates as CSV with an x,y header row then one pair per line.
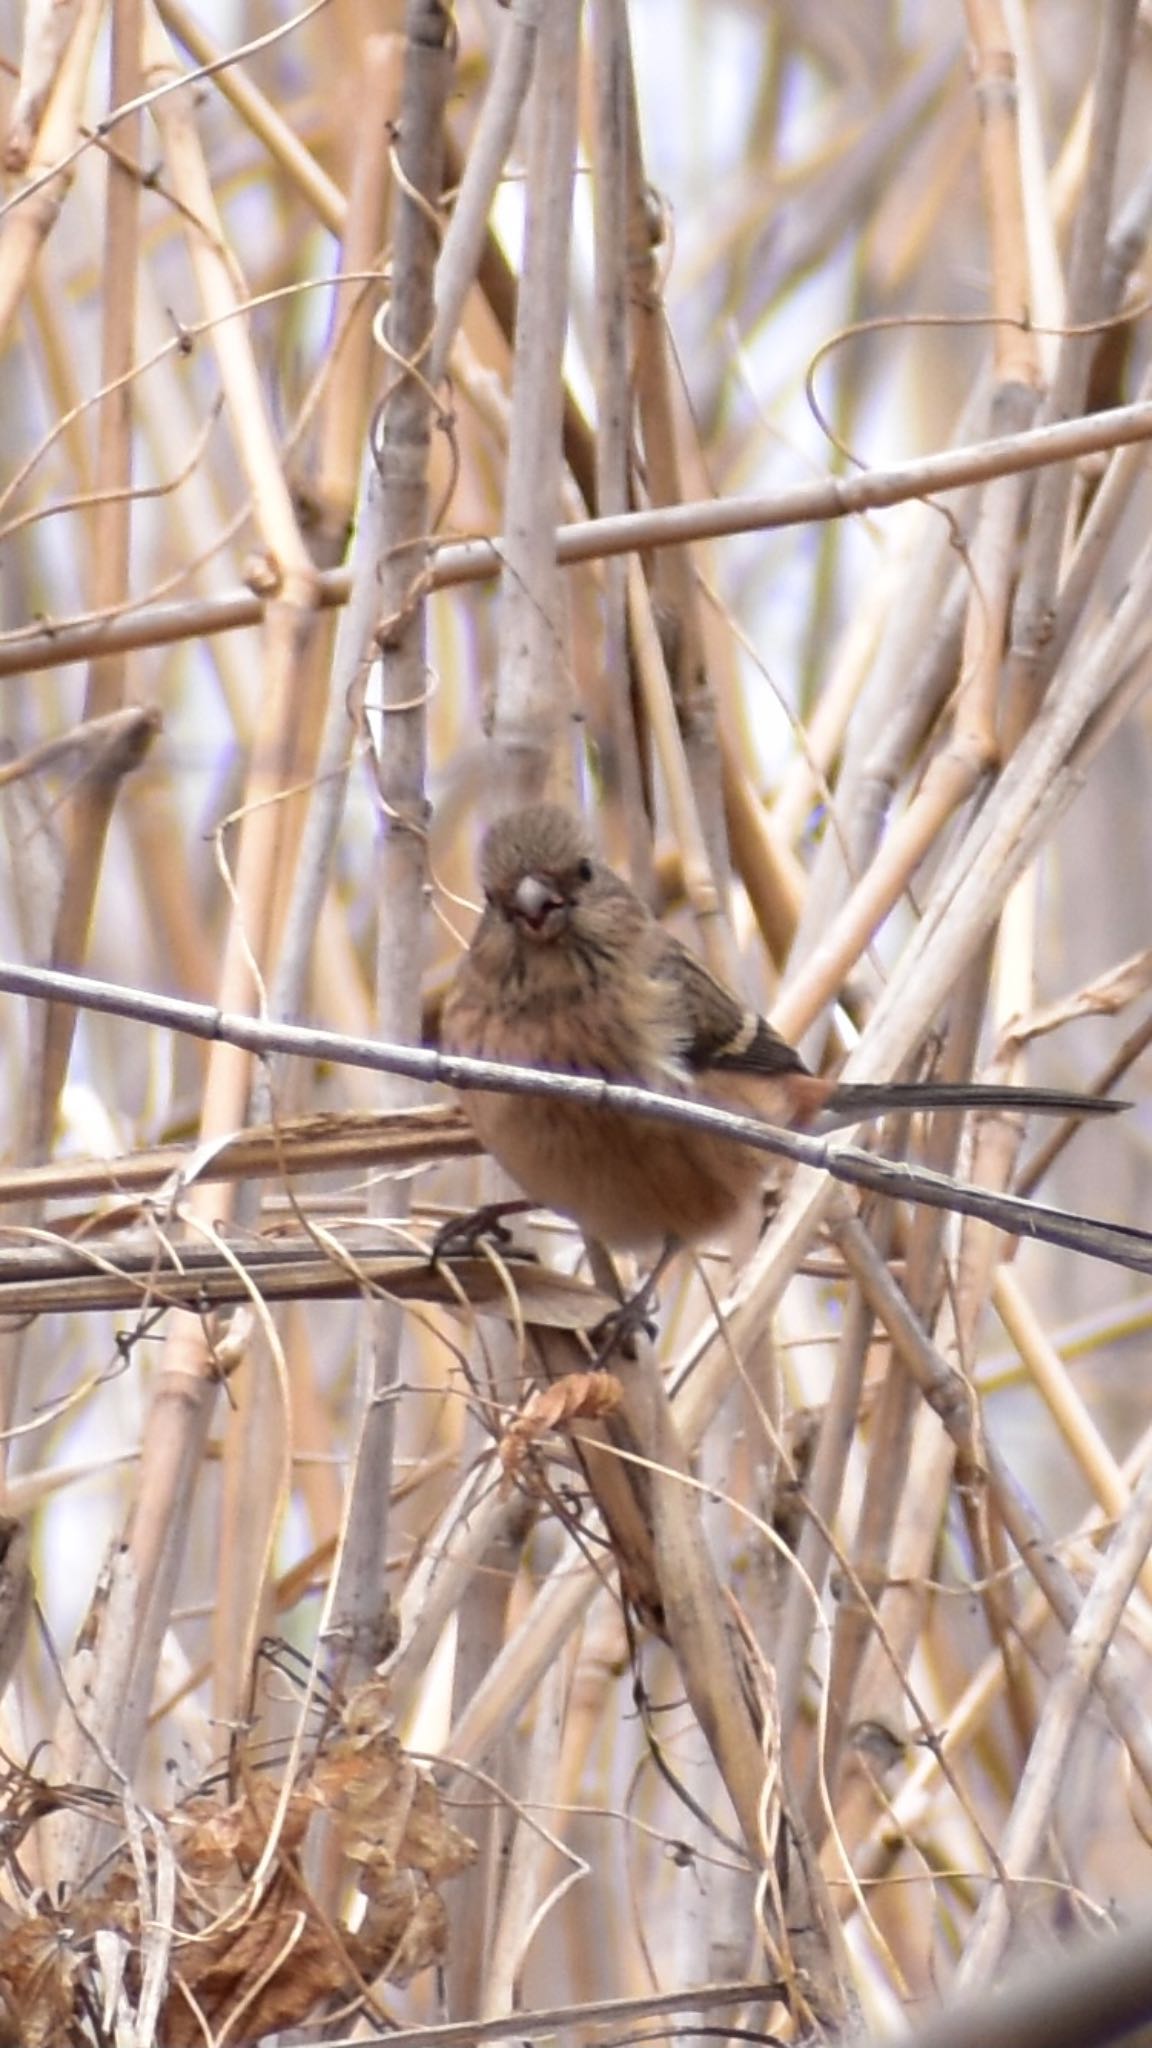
x,y
525,708
613,144
948,1396
467,229
837,180
263,119
1066,1701
1035,599
971,1711
529,699
31,218
479,560
666,723
90,814
347,406
391,550
179,1415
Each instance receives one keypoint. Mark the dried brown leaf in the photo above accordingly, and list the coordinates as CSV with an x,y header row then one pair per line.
x,y
368,1792
431,1844
217,1844
38,1972
273,1970
590,1395
385,1811
405,1930
43,1963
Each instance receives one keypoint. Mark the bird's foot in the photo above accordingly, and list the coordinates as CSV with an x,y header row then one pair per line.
x,y
619,1331
633,1318
461,1236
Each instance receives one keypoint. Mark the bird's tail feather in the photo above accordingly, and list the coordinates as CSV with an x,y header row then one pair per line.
x,y
853,1101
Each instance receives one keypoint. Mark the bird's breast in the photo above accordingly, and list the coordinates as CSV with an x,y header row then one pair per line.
x,y
627,1180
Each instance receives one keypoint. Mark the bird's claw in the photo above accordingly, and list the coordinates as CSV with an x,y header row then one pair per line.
x,y
619,1330
461,1236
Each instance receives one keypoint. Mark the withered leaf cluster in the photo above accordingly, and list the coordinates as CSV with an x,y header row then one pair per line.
x,y
252,1947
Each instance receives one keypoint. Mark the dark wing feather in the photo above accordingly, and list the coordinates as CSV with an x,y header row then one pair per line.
x,y
718,1032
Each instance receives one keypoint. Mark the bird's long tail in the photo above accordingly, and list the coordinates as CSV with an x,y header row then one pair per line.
x,y
850,1102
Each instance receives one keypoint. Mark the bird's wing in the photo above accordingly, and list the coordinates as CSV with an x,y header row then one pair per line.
x,y
716,1029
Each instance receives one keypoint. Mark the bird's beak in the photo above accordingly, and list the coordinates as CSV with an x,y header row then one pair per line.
x,y
532,899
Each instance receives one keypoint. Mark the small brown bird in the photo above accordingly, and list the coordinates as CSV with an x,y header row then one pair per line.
x,y
569,970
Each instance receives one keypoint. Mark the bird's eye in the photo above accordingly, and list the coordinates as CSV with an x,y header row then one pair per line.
x,y
584,871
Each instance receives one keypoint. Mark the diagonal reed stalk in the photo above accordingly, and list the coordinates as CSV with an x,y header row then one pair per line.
x,y
755,456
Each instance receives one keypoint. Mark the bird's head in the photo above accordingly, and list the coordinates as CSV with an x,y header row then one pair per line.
x,y
546,887
540,875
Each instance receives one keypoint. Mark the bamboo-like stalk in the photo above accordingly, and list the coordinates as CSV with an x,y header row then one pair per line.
x,y
1096,1624
669,526
749,1633
392,547
1046,534
33,212
90,813
976,1703
614,143
528,706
